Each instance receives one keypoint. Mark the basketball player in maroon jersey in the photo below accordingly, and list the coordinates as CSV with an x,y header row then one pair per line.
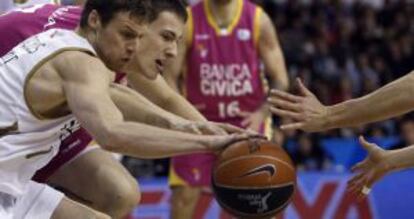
x,y
121,192
220,70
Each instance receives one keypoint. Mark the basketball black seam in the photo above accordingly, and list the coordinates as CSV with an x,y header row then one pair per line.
x,y
259,187
255,215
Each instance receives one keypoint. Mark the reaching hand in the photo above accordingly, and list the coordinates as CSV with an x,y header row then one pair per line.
x,y
306,110
371,169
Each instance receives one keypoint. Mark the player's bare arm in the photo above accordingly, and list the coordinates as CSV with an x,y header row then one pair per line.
x,y
158,92
393,99
164,96
136,107
271,54
272,57
82,74
309,114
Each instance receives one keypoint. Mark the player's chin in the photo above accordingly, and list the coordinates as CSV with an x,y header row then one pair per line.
x,y
116,66
151,74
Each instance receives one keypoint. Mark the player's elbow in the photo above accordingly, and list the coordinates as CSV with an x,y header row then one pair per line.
x,y
169,101
281,84
109,138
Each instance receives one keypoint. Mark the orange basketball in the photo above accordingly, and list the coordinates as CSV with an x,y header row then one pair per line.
x,y
254,179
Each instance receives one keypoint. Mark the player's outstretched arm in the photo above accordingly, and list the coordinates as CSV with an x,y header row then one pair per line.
x,y
391,100
137,108
160,93
86,83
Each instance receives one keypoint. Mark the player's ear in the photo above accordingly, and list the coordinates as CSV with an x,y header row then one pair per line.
x,y
94,20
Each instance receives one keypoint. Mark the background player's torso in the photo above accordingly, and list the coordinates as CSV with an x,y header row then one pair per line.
x,y
23,23
223,66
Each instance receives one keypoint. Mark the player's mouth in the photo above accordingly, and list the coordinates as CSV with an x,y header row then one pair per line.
x,y
160,65
125,60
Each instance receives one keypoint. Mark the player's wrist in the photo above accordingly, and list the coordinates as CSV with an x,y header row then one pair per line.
x,y
178,124
335,116
205,143
327,118
393,160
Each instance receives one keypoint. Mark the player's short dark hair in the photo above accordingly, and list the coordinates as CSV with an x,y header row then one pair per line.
x,y
140,9
175,6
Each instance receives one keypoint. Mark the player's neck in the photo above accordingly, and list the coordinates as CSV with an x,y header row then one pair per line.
x,y
223,11
81,32
90,37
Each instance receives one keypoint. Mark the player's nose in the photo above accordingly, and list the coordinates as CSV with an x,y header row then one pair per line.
x,y
172,50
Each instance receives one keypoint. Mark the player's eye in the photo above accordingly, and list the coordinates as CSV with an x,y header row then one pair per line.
x,y
128,35
168,37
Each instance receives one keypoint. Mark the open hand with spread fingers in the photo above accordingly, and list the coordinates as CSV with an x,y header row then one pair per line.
x,y
370,170
305,109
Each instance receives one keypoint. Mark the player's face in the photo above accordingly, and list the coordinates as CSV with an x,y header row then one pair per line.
x,y
159,44
117,42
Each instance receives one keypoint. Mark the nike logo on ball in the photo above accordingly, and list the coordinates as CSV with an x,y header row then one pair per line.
x,y
267,168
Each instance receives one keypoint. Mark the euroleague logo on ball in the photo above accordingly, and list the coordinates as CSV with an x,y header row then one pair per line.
x,y
256,201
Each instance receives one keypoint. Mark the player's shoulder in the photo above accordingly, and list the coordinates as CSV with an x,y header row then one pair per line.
x,y
76,58
68,41
73,64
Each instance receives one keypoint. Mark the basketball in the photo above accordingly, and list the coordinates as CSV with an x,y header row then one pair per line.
x,y
253,179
